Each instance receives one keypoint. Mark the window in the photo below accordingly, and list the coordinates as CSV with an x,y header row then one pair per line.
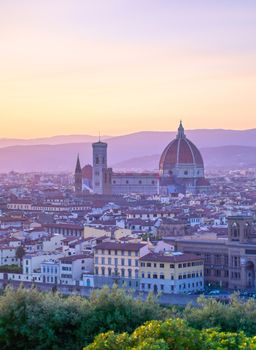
x,y
171,266
148,264
129,262
142,264
154,275
109,261
162,266
217,259
225,259
217,273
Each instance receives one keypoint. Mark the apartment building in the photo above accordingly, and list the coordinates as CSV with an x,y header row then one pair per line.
x,y
73,267
171,273
117,262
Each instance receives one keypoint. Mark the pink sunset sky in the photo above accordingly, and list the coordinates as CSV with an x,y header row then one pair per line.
x,y
119,66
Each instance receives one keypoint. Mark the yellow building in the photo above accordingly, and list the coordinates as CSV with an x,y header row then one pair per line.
x,y
117,262
171,273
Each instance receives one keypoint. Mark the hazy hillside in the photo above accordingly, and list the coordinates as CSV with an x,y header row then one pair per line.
x,y
135,151
202,137
54,140
225,157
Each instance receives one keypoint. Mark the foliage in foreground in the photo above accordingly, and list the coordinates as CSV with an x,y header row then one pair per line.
x,y
33,320
234,317
173,334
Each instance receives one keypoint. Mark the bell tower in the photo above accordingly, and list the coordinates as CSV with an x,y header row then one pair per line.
x,y
99,166
239,228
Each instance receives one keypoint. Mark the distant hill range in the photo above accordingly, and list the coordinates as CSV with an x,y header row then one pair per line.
x,y
53,140
229,149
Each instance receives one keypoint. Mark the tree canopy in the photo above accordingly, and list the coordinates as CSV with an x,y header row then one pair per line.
x,y
173,334
33,320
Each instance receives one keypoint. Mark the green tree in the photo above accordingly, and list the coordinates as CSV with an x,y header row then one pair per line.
x,y
39,321
20,253
172,335
234,317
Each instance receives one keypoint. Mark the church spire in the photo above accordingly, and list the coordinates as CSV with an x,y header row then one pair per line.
x,y
78,165
181,133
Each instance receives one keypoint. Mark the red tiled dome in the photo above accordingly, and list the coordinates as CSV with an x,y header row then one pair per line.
x,y
87,172
180,151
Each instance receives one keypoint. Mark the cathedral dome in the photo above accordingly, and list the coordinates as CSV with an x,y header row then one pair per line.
x,y
180,152
87,172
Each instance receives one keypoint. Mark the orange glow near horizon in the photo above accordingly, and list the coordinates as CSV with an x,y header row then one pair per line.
x,y
57,79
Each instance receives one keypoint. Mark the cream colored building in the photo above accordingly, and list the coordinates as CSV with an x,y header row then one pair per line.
x,y
116,262
171,273
95,232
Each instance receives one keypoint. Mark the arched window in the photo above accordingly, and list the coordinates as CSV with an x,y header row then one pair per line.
x,y
235,230
247,230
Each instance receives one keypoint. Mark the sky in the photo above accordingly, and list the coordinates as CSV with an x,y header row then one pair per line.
x,y
121,66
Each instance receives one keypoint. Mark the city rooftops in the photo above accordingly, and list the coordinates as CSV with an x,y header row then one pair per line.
x,y
71,258
65,225
170,258
120,246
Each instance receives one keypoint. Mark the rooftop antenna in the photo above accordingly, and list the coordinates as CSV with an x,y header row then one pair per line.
x,y
99,137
